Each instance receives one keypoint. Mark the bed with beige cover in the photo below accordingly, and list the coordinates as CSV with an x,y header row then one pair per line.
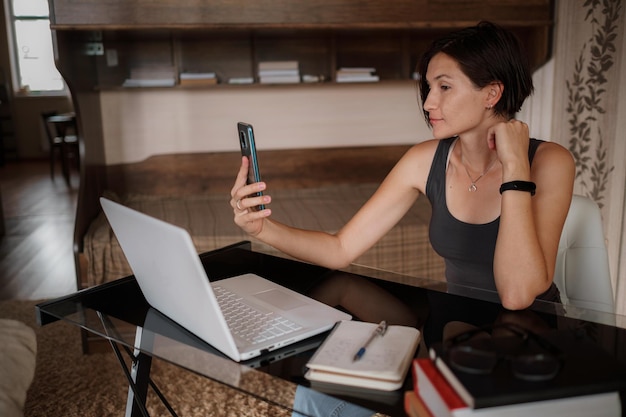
x,y
305,191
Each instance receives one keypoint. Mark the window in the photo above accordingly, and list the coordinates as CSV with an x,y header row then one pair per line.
x,y
33,51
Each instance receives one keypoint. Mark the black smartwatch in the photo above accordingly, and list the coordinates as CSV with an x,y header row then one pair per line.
x,y
527,186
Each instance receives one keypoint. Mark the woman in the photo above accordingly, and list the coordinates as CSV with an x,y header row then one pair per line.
x,y
499,198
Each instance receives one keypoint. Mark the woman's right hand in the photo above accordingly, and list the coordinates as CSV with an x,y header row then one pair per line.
x,y
244,202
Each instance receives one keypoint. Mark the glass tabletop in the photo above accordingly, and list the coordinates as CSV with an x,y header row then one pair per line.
x,y
118,312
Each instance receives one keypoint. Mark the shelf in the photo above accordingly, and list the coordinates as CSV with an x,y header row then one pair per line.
x,y
394,53
231,37
253,85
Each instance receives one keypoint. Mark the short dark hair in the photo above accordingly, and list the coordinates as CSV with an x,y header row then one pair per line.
x,y
486,53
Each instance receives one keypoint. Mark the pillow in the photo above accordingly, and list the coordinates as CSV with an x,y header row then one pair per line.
x,y
18,351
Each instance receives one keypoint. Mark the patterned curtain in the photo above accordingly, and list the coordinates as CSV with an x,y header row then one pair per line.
x,y
589,60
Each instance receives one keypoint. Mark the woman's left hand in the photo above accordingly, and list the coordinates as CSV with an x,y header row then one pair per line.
x,y
510,140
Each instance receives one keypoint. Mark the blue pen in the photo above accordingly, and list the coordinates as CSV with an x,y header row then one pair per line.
x,y
379,331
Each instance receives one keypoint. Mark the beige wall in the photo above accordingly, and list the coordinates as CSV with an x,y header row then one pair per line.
x,y
138,123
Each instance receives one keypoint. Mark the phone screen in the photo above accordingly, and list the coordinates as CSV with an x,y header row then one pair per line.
x,y
248,149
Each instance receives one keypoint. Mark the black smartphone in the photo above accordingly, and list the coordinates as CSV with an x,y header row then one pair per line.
x,y
248,149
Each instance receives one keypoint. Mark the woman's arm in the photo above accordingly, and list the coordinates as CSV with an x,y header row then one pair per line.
x,y
530,226
378,215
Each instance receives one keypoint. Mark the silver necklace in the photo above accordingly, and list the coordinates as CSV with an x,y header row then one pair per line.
x,y
472,188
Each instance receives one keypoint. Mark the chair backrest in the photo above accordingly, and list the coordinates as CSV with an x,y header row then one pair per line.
x,y
50,130
582,266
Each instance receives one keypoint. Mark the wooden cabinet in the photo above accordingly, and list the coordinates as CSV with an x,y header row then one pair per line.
x,y
231,37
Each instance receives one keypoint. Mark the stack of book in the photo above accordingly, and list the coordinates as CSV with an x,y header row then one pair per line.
x,y
356,75
279,72
152,76
588,384
197,79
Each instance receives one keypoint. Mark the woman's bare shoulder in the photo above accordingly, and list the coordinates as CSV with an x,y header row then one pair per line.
x,y
415,164
550,152
425,149
553,164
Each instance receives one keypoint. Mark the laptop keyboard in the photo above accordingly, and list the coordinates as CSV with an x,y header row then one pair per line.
x,y
250,323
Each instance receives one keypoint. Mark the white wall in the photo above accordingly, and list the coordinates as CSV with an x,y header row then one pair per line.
x,y
537,110
139,123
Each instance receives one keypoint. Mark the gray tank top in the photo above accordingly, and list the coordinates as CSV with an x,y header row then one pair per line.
x,y
467,249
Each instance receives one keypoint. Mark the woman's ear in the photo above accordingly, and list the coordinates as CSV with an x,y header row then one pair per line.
x,y
494,93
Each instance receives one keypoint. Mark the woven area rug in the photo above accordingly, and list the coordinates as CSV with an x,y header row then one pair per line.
x,y
69,383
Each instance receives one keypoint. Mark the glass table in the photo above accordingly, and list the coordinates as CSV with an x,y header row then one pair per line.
x,y
118,312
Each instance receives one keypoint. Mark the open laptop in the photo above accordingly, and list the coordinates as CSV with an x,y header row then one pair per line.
x,y
173,281
165,329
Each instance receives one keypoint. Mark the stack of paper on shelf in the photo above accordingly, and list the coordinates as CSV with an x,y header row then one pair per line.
x,y
588,383
310,78
152,76
356,75
241,80
198,79
383,366
279,72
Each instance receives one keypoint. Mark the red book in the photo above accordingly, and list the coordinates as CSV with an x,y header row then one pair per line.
x,y
414,406
433,396
586,369
434,390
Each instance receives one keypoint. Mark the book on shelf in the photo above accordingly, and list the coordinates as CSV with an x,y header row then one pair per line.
x,y
356,74
309,78
383,366
197,79
356,70
149,82
190,75
279,72
278,66
585,369
433,396
241,80
151,76
358,79
279,79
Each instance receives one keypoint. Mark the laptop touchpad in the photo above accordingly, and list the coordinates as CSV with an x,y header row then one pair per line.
x,y
280,299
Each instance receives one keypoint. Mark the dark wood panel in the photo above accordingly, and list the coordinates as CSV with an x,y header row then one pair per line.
x,y
197,173
229,12
167,13
228,55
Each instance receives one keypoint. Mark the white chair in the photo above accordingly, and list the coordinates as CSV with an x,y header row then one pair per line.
x,y
582,264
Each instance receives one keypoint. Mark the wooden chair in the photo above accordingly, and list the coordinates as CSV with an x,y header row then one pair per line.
x,y
62,141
